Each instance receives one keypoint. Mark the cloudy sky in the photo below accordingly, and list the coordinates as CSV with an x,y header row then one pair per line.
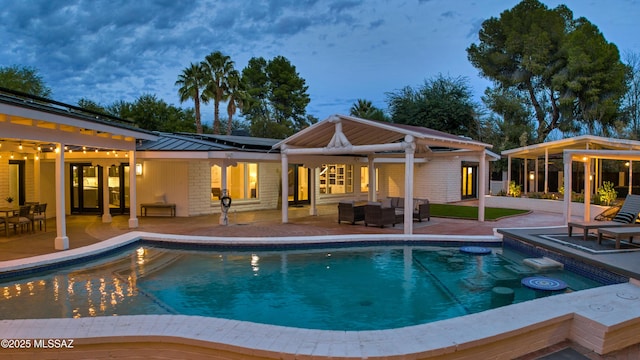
x,y
345,49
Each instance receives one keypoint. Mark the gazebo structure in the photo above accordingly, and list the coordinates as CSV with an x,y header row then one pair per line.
x,y
586,149
378,142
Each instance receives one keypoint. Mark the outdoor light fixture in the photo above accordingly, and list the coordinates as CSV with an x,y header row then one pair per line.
x,y
532,176
138,169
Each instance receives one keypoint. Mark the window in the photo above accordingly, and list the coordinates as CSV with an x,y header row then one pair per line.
x,y
242,181
336,179
364,179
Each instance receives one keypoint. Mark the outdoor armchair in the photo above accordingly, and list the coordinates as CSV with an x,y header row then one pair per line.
x,y
350,212
376,215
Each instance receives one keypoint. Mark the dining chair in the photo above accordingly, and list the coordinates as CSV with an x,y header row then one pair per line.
x,y
22,219
39,215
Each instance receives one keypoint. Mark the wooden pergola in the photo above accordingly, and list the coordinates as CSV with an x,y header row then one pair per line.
x,y
341,135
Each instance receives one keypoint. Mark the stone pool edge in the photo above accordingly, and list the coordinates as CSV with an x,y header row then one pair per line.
x,y
603,319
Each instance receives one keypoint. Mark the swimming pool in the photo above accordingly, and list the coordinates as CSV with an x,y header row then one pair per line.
x,y
359,288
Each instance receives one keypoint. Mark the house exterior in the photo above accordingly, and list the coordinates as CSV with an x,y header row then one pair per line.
x,y
82,162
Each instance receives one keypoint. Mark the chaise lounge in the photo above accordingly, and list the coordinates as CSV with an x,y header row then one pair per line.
x,y
627,216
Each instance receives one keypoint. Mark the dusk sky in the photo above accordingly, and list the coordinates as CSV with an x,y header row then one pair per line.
x,y
346,50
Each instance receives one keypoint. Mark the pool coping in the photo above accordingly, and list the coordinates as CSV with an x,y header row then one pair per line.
x,y
588,317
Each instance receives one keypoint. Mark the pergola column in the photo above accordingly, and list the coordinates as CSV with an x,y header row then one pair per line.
x,y
408,183
587,190
630,176
567,161
285,185
61,241
508,173
372,180
546,170
106,213
313,210
482,178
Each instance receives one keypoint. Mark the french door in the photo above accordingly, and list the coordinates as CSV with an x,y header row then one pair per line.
x,y
299,184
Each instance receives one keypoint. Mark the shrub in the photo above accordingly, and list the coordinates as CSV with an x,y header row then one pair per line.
x,y
514,190
607,193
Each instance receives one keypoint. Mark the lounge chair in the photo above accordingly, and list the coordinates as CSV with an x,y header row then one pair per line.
x,y
627,216
350,212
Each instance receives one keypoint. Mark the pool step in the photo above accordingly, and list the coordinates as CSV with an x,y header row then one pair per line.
x,y
543,263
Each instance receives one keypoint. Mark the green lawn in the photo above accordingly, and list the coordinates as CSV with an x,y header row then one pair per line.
x,y
471,212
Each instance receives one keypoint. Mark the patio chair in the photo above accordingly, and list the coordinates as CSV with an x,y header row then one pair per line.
x,y
349,211
23,218
39,215
421,210
376,215
627,216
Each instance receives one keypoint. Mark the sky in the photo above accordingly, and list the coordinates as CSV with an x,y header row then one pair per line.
x,y
112,50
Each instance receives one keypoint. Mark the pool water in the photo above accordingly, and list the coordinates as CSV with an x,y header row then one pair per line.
x,y
362,288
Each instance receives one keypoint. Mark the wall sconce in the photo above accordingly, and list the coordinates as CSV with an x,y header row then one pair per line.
x,y
532,175
138,169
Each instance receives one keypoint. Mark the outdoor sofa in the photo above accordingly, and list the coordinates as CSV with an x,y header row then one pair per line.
x,y
376,214
420,207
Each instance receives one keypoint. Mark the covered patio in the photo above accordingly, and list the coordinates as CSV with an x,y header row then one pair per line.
x,y
375,143
38,135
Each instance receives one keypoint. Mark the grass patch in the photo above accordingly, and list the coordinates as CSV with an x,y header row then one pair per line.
x,y
471,212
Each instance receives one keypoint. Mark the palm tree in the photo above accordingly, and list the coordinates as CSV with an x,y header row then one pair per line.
x,y
364,109
217,68
235,97
191,81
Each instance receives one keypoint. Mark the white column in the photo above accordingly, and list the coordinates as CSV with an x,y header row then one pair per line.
x,y
133,190
546,170
408,184
372,180
313,210
630,176
482,179
285,187
566,159
535,178
526,177
587,190
36,178
508,173
106,213
61,241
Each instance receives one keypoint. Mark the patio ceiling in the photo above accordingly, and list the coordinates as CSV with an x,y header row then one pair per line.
x,y
362,132
28,122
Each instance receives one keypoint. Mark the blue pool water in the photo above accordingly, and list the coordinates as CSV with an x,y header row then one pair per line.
x,y
360,288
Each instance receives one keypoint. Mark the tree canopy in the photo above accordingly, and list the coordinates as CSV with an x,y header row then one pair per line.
x,y
276,98
25,79
442,103
564,67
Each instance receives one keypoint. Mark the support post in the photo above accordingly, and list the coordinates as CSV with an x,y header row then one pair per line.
x,y
482,179
566,159
61,241
313,210
285,186
133,190
372,180
587,190
546,170
106,213
408,183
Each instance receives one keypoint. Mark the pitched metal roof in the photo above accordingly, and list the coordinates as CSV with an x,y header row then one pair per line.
x,y
205,142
